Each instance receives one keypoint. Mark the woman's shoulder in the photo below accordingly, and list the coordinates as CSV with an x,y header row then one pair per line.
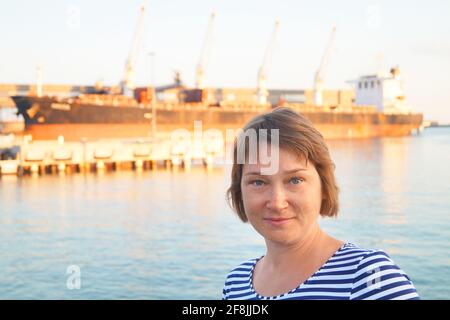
x,y
365,257
377,276
367,261
351,254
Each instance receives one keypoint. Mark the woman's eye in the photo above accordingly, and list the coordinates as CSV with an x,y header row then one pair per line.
x,y
257,183
296,181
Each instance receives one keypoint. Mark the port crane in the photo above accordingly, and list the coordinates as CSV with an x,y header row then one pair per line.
x,y
127,85
263,70
319,75
204,55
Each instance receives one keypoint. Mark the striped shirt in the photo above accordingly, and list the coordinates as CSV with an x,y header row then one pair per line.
x,y
351,273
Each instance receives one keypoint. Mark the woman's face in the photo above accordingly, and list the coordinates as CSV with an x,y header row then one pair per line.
x,y
284,206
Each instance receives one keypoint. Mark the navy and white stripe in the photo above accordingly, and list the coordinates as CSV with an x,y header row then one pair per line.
x,y
351,273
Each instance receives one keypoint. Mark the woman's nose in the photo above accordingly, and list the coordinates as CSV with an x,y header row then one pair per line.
x,y
278,199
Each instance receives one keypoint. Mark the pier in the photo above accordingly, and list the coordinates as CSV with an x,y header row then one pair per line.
x,y
22,156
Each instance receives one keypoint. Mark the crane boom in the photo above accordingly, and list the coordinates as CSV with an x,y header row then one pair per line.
x,y
127,83
318,77
263,70
204,55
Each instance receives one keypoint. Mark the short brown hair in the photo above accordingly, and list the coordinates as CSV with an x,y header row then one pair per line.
x,y
296,134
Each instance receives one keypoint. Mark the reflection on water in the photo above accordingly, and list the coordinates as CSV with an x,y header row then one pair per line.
x,y
163,234
393,172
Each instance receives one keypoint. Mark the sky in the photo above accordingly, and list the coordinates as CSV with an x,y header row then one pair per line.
x,y
81,42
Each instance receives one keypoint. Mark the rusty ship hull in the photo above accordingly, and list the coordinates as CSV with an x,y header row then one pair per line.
x,y
47,118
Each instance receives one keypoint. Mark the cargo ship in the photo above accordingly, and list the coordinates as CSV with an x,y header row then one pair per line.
x,y
102,114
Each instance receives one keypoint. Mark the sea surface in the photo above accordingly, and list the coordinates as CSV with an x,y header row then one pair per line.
x,y
171,235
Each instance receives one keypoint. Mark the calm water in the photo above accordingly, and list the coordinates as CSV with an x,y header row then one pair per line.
x,y
170,235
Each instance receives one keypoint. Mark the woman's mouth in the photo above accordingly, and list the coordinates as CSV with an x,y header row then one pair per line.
x,y
278,221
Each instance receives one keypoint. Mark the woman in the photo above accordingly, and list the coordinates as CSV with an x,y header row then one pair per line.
x,y
302,261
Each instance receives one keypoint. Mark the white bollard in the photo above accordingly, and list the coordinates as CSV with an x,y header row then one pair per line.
x,y
176,161
187,162
61,167
100,165
209,161
139,164
34,168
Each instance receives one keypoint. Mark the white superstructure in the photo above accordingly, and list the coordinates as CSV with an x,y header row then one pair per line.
x,y
383,91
